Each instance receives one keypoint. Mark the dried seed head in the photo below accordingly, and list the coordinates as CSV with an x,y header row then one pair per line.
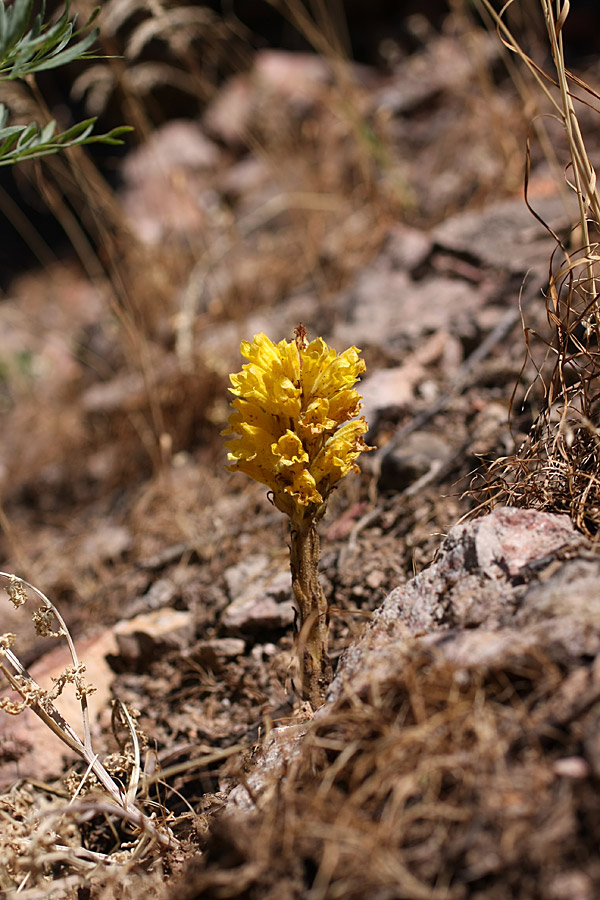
x,y
16,591
43,620
6,642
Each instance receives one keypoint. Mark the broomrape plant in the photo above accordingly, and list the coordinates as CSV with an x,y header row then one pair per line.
x,y
295,430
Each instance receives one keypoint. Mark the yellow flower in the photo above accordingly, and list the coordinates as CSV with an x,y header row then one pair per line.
x,y
291,420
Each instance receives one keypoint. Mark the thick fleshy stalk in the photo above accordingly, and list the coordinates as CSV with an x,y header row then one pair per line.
x,y
313,625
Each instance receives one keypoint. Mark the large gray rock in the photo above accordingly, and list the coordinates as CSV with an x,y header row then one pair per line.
x,y
509,587
506,235
261,597
516,581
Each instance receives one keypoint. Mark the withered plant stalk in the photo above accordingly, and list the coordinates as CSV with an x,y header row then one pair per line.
x,y
41,703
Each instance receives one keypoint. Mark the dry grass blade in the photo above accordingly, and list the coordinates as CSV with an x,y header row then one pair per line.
x,y
436,787
190,765
187,20
557,468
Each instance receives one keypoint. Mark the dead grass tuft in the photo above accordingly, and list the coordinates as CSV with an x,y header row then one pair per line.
x,y
445,785
55,838
557,466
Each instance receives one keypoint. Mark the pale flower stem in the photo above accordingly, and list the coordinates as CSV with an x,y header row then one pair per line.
x,y
315,668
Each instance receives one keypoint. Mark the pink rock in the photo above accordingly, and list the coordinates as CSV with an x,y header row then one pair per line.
x,y
510,583
38,752
571,767
228,115
180,144
143,636
280,747
392,389
261,597
295,76
165,179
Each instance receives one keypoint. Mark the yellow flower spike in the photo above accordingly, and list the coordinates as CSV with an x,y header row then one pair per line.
x,y
339,453
294,429
295,396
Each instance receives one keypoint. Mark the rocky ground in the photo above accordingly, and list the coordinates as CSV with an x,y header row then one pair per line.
x,y
458,752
